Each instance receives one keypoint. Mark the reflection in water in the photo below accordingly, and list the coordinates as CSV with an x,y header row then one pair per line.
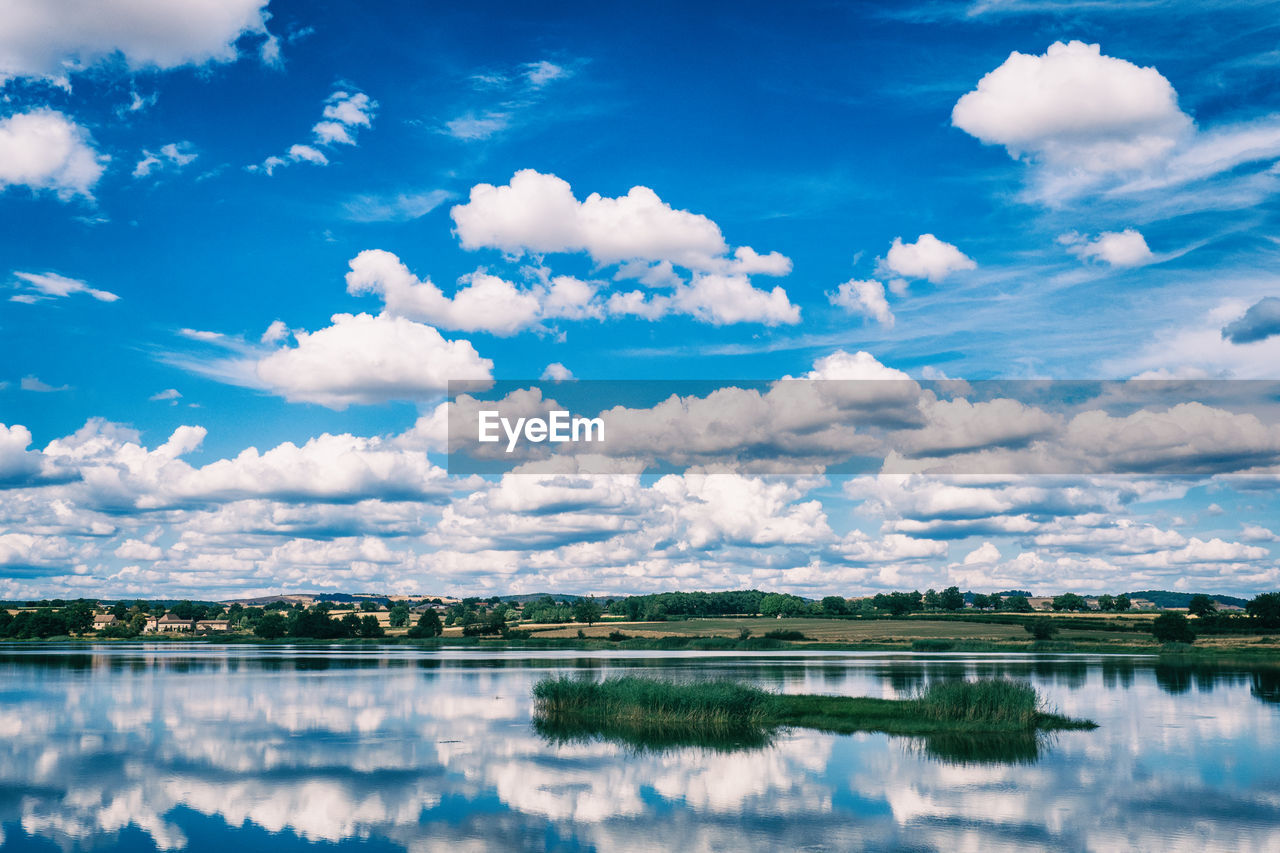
x,y
202,748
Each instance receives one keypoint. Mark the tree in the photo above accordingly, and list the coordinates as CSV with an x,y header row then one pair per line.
x,y
120,610
79,617
349,626
980,601
996,602
1266,609
272,626
834,605
399,616
1172,628
781,604
1017,604
1202,605
1040,629
952,599
369,627
186,610
1123,602
369,607
428,626
1106,603
1069,601
586,610
932,601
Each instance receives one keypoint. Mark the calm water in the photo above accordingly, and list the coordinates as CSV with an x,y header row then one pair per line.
x,y
239,749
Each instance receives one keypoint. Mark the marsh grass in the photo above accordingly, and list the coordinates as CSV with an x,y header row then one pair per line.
x,y
646,712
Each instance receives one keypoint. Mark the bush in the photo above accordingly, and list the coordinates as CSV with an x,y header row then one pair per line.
x,y
1172,628
932,645
782,634
1041,629
618,636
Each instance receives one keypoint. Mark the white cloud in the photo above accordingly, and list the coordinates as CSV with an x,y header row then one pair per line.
x,y
538,213
487,303
509,99
351,109
1090,122
45,150
475,127
33,383
557,372
50,285
51,39
541,73
863,298
982,555
724,299
399,207
367,359
859,365
928,258
1125,248
174,154
169,394
135,549
343,113
117,471
1076,108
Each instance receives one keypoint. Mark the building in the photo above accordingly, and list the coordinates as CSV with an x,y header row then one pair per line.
x,y
168,624
102,620
213,625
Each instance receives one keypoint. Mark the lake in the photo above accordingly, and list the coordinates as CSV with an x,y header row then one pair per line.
x,y
240,748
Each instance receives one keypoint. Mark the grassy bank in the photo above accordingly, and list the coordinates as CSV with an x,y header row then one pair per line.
x,y
649,712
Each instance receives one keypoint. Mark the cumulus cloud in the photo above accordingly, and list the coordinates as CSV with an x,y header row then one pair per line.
x,y
863,298
50,285
1127,248
557,372
44,150
1090,122
368,359
21,466
928,258
1076,108
538,213
343,113
51,39
487,303
116,471
1260,322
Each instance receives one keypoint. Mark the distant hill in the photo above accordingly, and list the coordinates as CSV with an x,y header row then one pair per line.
x,y
1164,598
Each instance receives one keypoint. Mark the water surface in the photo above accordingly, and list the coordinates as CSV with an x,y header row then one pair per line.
x,y
296,748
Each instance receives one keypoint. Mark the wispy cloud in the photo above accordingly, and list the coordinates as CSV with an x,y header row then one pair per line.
x,y
50,285
506,99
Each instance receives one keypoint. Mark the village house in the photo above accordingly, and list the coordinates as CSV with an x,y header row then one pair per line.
x,y
102,620
169,623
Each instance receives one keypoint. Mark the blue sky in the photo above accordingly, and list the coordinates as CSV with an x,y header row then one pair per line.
x,y
1019,190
